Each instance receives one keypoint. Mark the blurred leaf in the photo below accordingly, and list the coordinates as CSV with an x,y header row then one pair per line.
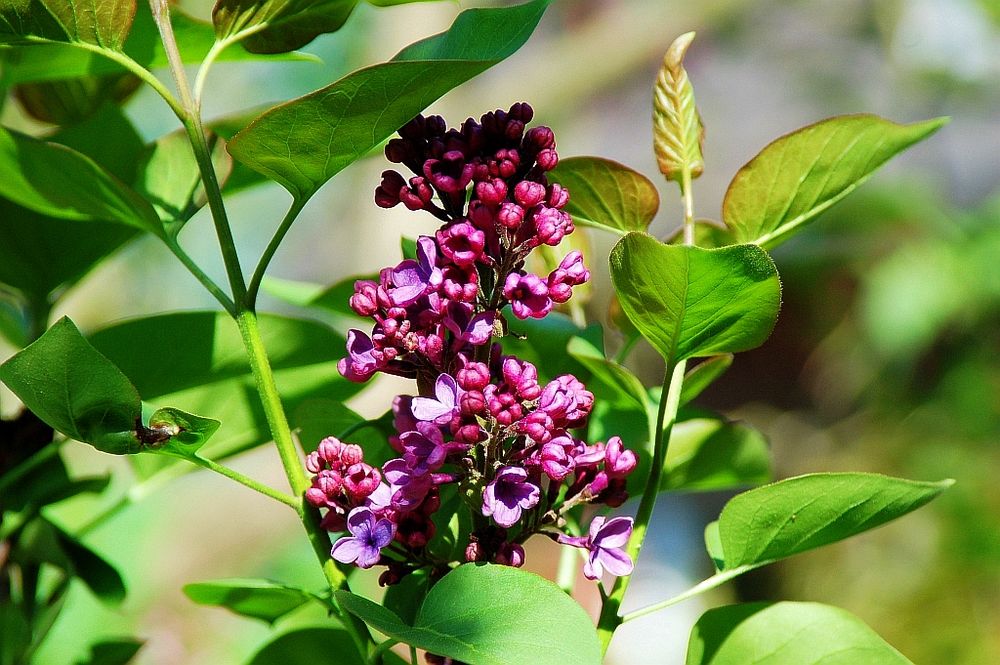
x,y
702,375
799,514
107,137
14,325
303,143
180,434
491,615
293,292
309,646
544,344
67,383
196,362
677,130
801,174
780,633
615,376
102,24
257,599
169,178
408,247
112,652
607,195
73,100
317,419
337,298
15,634
54,180
689,302
713,453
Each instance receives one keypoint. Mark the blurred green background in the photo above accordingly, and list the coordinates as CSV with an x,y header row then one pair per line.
x,y
886,357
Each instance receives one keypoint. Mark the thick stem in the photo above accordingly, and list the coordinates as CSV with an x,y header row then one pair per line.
x,y
688,206
673,379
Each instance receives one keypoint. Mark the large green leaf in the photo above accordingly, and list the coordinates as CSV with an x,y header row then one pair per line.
x,y
713,453
491,615
73,388
303,143
801,174
607,195
799,514
309,646
95,22
785,633
688,301
57,181
258,599
677,129
196,361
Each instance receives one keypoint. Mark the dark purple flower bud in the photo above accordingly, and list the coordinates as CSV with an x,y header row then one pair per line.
x,y
508,495
510,554
551,225
558,196
510,215
387,193
539,138
415,128
450,174
505,163
618,461
397,151
514,131
529,194
492,192
364,302
462,243
434,126
605,545
368,536
418,195
440,408
402,419
521,111
528,295
547,159
414,529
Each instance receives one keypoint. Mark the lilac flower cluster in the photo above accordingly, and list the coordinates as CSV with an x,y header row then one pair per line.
x,y
482,421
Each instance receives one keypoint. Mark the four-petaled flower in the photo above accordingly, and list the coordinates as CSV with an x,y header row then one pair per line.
x,y
442,409
508,494
369,535
604,544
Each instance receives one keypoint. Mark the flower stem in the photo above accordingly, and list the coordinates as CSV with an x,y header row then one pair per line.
x,y
233,474
705,585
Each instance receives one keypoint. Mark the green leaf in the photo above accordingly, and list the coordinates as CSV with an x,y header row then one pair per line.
x,y
404,599
713,453
14,325
72,387
799,514
258,599
54,180
277,26
677,129
801,174
543,343
607,195
73,100
688,301
178,434
781,633
303,143
169,177
319,418
309,646
15,634
104,24
702,375
615,376
112,652
491,615
713,544
196,362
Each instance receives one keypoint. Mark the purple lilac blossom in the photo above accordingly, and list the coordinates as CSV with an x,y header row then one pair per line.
x,y
508,495
369,534
443,406
604,543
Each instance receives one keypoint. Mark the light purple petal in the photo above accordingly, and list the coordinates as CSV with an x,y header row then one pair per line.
x,y
360,521
528,495
504,515
595,527
614,532
425,408
368,557
347,549
383,533
592,568
573,541
446,390
480,329
618,563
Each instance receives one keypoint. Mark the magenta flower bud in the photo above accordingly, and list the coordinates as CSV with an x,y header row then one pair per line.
x,y
492,192
350,453
473,376
510,215
551,225
556,463
361,480
539,138
618,461
505,163
316,497
522,376
364,302
529,194
558,196
462,243
472,402
537,425
331,451
417,195
510,554
508,495
504,407
387,193
450,174
576,271
528,295
547,159
468,431
472,553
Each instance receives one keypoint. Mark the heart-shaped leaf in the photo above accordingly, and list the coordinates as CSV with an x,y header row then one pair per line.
x,y
799,514
801,174
491,615
607,195
258,599
688,301
677,129
781,633
54,180
303,143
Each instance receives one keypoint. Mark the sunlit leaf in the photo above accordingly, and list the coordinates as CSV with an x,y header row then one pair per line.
x,y
801,174
491,615
303,143
312,645
677,129
799,514
688,301
607,195
173,432
277,26
615,376
258,599
104,24
780,633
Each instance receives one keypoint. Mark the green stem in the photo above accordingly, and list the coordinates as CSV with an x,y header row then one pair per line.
x,y
135,68
609,619
376,655
705,585
206,281
688,206
272,247
256,486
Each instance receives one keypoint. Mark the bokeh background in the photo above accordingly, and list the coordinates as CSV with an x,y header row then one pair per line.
x,y
886,357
